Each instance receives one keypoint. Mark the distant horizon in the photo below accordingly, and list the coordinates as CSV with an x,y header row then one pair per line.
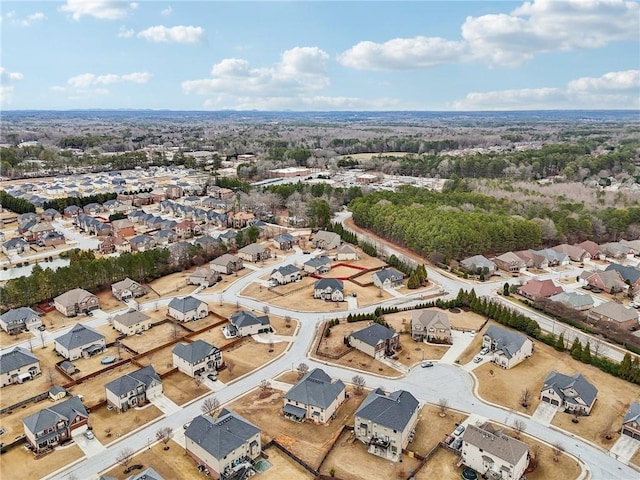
x,y
97,109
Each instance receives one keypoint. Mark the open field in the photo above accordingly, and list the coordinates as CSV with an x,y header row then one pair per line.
x,y
20,464
432,428
170,464
283,468
351,461
180,388
248,356
307,440
614,395
120,423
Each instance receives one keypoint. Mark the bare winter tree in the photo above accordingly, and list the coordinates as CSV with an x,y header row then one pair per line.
x,y
557,451
597,348
358,384
210,405
197,380
287,321
124,458
265,385
230,365
163,435
265,309
443,403
302,369
519,426
108,431
525,397
50,376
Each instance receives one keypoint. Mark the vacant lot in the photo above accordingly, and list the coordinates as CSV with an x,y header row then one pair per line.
x,y
170,464
19,464
157,335
120,423
614,395
283,467
181,388
432,428
306,440
351,461
173,284
248,356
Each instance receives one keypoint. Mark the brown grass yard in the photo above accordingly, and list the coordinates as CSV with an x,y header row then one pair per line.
x,y
157,335
162,360
476,344
172,464
93,390
12,421
288,377
341,271
441,466
7,340
306,440
173,284
283,467
351,461
636,458
19,464
614,395
120,423
108,302
227,280
110,333
432,428
247,357
181,388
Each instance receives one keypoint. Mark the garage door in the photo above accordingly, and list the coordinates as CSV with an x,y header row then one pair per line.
x,y
630,433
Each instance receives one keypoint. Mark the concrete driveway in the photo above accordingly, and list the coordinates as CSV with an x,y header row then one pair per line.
x,y
90,448
165,405
625,448
544,413
461,341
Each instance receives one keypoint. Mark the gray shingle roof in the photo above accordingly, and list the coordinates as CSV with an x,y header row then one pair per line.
x,y
318,261
286,270
393,411
18,315
573,299
245,318
315,388
507,341
126,383
221,436
633,414
131,318
73,297
79,336
48,417
570,388
615,311
148,474
194,352
388,273
225,259
496,444
628,273
253,249
374,334
324,283
16,358
185,304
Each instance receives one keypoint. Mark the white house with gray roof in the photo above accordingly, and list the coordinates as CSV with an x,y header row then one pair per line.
x,y
81,341
494,454
326,240
346,252
226,263
76,301
317,265
196,358
17,366
572,393
329,289
479,264
187,308
19,319
508,348
54,425
430,326
387,278
245,322
254,252
132,322
126,289
285,274
631,421
386,423
376,340
225,446
573,300
133,389
316,397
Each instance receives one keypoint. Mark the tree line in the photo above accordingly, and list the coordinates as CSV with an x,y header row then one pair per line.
x,y
15,204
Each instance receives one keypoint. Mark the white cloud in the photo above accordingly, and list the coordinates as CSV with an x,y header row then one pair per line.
x,y
611,90
166,11
301,71
178,34
6,75
508,39
6,94
125,32
6,87
307,103
102,9
89,79
32,18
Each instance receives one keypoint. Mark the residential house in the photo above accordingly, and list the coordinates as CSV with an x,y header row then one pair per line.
x,y
127,289
430,326
316,397
141,243
508,348
165,237
38,231
346,252
57,393
123,228
574,252
617,250
114,244
376,340
81,341
72,211
555,258
226,264
616,314
19,319
510,262
493,454
132,322
630,275
208,244
187,309
317,265
607,280
631,421
197,358
228,237
15,246
592,248
285,274
17,366
76,301
632,244
386,423
573,393
573,300
535,289
186,229
204,276
387,278
254,252
326,240
133,389
92,208
54,425
240,220
51,239
329,289
479,264
285,241
245,322
173,192
225,446
532,259
51,214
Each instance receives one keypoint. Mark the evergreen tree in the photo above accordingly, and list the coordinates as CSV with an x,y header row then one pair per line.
x,y
505,289
586,354
560,346
576,349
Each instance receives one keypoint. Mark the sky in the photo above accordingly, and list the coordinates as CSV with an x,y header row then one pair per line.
x,y
320,55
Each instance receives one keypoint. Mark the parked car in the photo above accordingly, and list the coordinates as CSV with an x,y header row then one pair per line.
x,y
484,351
458,431
186,425
89,434
449,439
477,359
213,377
427,364
457,443
596,290
42,328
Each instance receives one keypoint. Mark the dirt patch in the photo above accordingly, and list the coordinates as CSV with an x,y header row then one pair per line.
x,y
351,461
20,464
120,423
181,388
282,467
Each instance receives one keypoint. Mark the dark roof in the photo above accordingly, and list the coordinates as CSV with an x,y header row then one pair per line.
x,y
284,237
147,474
286,270
18,315
324,283
318,261
633,414
374,334
507,341
244,318
315,388
194,352
498,445
16,358
126,383
48,417
571,387
393,411
185,304
389,273
221,436
627,273
79,336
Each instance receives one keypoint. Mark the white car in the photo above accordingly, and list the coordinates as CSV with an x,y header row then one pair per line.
x,y
89,434
477,359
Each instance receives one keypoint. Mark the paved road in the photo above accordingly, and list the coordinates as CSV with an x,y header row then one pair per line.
x,y
427,384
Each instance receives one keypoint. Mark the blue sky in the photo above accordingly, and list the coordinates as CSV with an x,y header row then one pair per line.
x,y
306,55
